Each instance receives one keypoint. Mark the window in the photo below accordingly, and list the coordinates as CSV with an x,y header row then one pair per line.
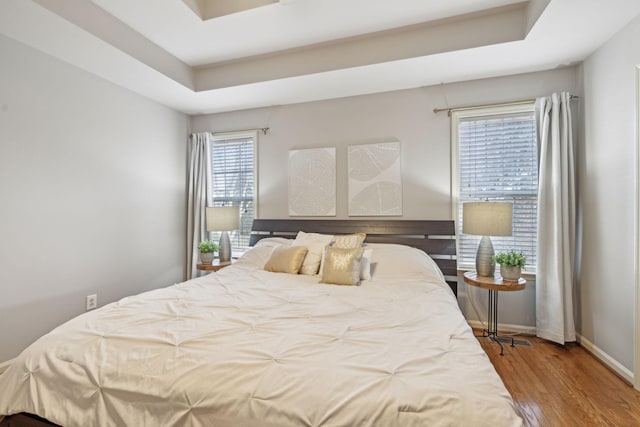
x,y
233,180
495,158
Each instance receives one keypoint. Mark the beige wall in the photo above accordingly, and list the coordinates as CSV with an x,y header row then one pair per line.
x,y
92,184
608,193
405,116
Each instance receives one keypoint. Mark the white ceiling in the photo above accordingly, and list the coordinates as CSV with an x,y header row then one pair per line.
x,y
203,56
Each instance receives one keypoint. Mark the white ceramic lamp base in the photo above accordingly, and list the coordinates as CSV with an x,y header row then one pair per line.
x,y
484,258
224,251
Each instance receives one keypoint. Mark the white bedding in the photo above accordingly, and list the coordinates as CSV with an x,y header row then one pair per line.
x,y
246,347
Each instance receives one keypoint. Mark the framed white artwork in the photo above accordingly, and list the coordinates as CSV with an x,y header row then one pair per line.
x,y
312,182
375,179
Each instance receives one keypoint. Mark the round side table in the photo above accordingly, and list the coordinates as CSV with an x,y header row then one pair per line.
x,y
214,266
495,285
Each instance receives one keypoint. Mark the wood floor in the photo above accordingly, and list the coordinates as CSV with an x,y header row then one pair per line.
x,y
565,386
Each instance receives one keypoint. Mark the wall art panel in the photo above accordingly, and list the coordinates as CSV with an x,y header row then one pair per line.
x,y
312,182
375,179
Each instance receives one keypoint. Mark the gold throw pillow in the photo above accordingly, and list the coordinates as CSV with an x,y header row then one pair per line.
x,y
349,240
286,259
342,266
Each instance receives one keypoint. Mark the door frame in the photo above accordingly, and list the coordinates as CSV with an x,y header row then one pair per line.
x,y
636,347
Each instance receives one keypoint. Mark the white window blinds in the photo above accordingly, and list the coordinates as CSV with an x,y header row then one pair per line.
x,y
233,181
497,161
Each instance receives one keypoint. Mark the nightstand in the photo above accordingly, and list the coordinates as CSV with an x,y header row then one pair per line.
x,y
215,266
494,284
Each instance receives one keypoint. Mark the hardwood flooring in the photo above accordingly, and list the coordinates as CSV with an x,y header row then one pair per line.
x,y
555,385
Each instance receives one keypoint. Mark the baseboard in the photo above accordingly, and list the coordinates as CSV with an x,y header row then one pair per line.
x,y
607,360
5,365
518,329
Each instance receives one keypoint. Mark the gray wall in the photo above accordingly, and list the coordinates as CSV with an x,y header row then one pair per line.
x,y
401,115
608,193
92,182
92,190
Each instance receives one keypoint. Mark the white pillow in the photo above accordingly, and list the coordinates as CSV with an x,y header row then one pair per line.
x,y
315,244
274,241
365,264
398,260
255,257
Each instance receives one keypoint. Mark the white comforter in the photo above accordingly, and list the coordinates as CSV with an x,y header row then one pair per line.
x,y
245,347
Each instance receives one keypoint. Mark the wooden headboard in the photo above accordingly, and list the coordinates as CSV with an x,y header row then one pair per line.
x,y
436,238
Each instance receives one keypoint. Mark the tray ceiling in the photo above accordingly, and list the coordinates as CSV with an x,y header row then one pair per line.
x,y
204,56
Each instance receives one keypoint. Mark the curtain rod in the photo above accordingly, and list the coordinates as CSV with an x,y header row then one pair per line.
x,y
264,131
499,104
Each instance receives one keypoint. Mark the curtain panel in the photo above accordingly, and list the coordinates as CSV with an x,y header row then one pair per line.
x,y
556,220
196,198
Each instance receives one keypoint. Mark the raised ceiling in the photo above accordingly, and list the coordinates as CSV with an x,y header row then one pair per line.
x,y
204,56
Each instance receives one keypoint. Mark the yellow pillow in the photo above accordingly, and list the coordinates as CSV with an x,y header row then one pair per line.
x,y
286,259
349,240
345,241
342,266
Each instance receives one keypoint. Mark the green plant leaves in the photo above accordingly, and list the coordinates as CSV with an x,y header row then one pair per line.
x,y
207,246
510,259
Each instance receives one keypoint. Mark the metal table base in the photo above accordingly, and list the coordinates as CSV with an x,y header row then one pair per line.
x,y
492,321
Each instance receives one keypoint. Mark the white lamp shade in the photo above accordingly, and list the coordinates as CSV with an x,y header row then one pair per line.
x,y
487,218
225,218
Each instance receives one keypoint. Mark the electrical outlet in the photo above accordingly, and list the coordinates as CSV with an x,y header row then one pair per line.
x,y
92,301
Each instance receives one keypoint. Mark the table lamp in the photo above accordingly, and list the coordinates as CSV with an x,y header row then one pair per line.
x,y
224,218
487,219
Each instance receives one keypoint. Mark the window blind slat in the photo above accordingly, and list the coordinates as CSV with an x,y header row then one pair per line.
x,y
232,183
497,157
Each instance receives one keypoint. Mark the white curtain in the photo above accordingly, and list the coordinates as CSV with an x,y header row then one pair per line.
x,y
197,199
556,246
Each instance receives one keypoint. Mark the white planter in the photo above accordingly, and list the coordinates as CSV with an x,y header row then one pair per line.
x,y
510,274
206,257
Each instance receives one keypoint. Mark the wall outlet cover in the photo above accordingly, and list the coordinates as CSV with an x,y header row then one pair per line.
x,y
92,301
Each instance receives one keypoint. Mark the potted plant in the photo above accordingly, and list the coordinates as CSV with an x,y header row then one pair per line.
x,y
511,264
207,250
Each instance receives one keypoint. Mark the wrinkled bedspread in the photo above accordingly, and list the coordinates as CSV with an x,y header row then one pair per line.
x,y
245,347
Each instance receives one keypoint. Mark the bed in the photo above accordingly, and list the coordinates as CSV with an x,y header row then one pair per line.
x,y
250,347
